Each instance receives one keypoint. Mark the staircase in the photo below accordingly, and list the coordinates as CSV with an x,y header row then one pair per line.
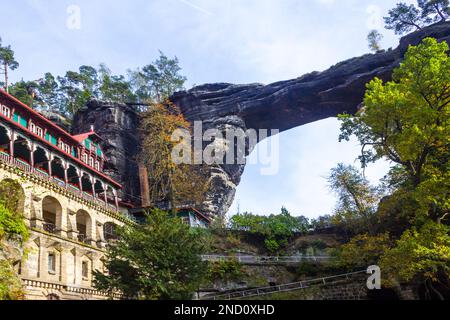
x,y
284,287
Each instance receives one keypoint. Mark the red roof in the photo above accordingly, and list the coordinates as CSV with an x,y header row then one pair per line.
x,y
62,132
83,136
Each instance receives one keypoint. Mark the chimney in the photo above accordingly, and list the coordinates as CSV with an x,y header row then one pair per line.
x,y
145,189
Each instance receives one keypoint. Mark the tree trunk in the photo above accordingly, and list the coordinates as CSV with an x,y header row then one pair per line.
x,y
440,13
6,77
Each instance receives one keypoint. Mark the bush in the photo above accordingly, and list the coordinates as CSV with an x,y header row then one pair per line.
x,y
225,270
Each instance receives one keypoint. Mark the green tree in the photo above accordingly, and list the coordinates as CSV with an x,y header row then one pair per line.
x,y
406,121
275,230
24,91
422,255
157,260
114,87
157,81
374,37
48,93
364,250
178,183
434,10
7,61
403,18
357,199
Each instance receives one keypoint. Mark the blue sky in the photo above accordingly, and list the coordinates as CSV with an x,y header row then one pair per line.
x,y
238,41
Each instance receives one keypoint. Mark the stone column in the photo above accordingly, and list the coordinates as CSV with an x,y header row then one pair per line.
x,y
72,232
64,255
37,217
61,222
101,242
91,233
42,266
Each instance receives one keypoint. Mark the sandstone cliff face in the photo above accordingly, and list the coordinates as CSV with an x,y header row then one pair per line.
x,y
281,105
117,124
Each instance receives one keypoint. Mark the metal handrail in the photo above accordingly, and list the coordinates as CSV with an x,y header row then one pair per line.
x,y
264,259
281,288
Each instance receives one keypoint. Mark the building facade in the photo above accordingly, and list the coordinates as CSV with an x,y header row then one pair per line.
x,y
69,204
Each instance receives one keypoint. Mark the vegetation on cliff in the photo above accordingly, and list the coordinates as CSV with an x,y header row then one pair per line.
x,y
13,231
406,121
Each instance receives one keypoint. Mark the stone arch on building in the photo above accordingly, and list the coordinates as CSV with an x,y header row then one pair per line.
x,y
51,214
52,294
84,226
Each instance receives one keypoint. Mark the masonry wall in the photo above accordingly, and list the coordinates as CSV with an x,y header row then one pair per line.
x,y
64,279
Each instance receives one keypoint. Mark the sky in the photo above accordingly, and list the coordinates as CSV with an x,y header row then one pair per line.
x,y
235,41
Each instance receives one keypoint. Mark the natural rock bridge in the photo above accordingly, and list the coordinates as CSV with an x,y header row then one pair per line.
x,y
281,105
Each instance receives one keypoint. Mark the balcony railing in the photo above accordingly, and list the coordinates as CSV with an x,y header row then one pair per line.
x,y
5,157
49,227
82,238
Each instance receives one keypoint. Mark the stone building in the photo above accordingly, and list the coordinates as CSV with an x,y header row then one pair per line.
x,y
70,205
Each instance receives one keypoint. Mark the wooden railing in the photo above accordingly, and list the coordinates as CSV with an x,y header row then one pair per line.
x,y
22,165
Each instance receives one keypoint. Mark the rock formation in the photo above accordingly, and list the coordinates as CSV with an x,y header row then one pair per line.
x,y
281,105
117,125
287,104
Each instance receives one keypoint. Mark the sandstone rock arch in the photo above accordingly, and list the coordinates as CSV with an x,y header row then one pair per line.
x,y
282,105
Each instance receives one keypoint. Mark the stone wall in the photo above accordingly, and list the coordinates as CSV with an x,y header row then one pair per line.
x,y
66,280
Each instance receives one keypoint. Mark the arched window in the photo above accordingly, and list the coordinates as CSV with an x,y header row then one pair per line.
x,y
84,226
52,296
51,212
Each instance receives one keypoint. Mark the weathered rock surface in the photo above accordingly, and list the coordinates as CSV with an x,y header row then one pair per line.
x,y
117,125
288,104
282,105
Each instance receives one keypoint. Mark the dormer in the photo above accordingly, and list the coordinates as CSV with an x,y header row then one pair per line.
x,y
90,151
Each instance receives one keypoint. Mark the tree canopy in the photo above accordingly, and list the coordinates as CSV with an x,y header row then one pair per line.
x,y
66,94
156,260
406,121
404,18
